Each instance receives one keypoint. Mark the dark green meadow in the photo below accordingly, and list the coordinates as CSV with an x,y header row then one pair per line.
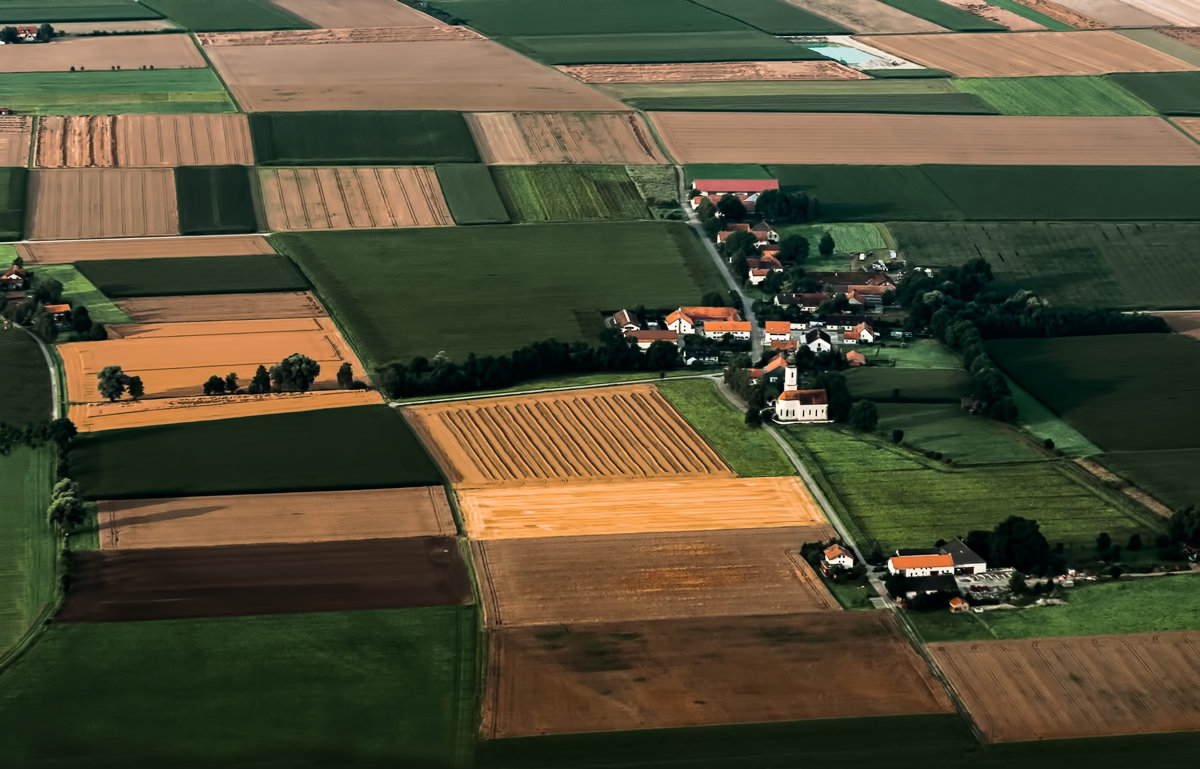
x,y
775,16
1171,93
215,200
552,17
39,11
908,385
946,15
471,193
13,182
358,447
361,138
26,378
644,47
225,15
176,276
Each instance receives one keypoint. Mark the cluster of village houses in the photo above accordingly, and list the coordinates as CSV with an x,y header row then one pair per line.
x,y
14,282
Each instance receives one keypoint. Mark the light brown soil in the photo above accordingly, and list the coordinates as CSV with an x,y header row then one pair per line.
x,y
143,248
644,675
712,72
352,198
69,203
249,519
665,575
521,138
632,507
357,13
175,359
1189,124
1138,13
1090,686
336,36
1186,323
1000,16
1063,14
126,52
867,16
174,309
15,134
448,74
183,140
609,432
1125,487
75,141
1188,35
693,137
1030,54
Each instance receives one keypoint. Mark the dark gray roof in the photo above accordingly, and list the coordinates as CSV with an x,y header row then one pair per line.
x,y
942,582
961,553
919,551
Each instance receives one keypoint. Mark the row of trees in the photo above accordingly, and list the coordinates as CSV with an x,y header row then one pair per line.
x,y
295,373
113,382
60,432
9,35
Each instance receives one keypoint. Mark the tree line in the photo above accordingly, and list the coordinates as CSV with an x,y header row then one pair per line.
x,y
30,312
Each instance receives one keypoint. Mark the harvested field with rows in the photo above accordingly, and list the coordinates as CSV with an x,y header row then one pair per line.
x,y
634,507
1088,686
69,203
1137,13
202,307
104,415
183,140
143,248
352,198
867,16
103,53
443,74
75,141
1030,54
644,675
1001,16
14,140
522,138
613,432
174,359
246,519
712,72
663,575
185,582
336,36
340,14
855,139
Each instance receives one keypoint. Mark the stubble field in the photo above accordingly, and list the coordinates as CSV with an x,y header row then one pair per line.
x,y
1138,13
337,36
522,138
352,198
1088,686
1001,16
339,14
867,16
633,507
143,248
643,675
142,141
614,432
103,53
101,203
214,307
713,72
14,140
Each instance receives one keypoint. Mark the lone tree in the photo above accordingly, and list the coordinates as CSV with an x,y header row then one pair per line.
x,y
1103,542
826,246
296,372
863,417
231,382
793,248
112,382
136,388
45,33
81,320
9,35
838,392
731,208
345,376
261,382
214,386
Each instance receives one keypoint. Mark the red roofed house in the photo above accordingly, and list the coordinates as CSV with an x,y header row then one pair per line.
x,y
836,556
13,279
921,565
724,234
738,329
765,234
27,34
854,358
624,320
721,187
763,267
958,605
687,320
791,345
862,333
870,297
776,331
646,338
59,313
796,405
806,302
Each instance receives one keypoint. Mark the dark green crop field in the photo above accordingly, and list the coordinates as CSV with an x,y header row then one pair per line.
x,y
53,11
1171,93
908,385
914,103
215,200
173,276
13,182
374,448
225,15
471,193
775,16
552,17
361,138
946,15
658,47
28,549
550,193
26,379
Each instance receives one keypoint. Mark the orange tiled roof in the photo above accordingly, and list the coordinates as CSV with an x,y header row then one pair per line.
x,y
807,398
727,325
836,551
921,561
55,308
778,327
785,344
776,362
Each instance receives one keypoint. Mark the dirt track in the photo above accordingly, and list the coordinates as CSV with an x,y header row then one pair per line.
x,y
126,52
1089,686
712,72
14,140
645,675
179,583
246,519
521,138
634,507
357,13
611,432
649,576
71,203
352,198
142,248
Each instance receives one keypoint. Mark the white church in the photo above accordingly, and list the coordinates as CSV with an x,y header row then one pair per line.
x,y
795,405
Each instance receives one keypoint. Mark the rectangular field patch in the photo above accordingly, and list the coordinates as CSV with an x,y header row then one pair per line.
x,y
15,134
188,582
101,203
142,141
713,72
352,198
569,193
523,138
251,519
867,16
361,138
105,52
340,14
471,193
67,251
611,432
206,307
194,275
642,675
215,200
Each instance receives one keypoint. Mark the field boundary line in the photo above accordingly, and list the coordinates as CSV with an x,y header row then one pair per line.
x,y
396,404
237,106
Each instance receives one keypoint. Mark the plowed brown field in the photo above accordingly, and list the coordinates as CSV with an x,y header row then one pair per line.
x,y
174,309
183,582
1062,13
444,74
522,138
183,140
1090,686
700,137
610,432
68,203
331,36
649,576
75,141
351,198
247,519
712,72
1001,16
14,140
645,675
867,16
143,248
357,13
632,507
59,55
175,359
1030,54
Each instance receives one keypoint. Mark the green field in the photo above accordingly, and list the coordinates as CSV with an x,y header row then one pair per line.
x,y
225,15
947,428
1131,605
12,203
658,47
215,200
911,103
913,353
775,16
919,73
1160,42
901,499
915,385
750,452
78,290
847,239
1055,96
104,92
471,193
29,547
38,11
361,138
26,379
947,16
373,445
1168,476
659,187
696,171
359,688
1170,93
175,276
1024,10
552,17
1042,423
550,193
514,285
1125,266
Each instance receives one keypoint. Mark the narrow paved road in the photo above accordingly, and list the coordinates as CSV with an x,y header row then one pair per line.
x,y
55,412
